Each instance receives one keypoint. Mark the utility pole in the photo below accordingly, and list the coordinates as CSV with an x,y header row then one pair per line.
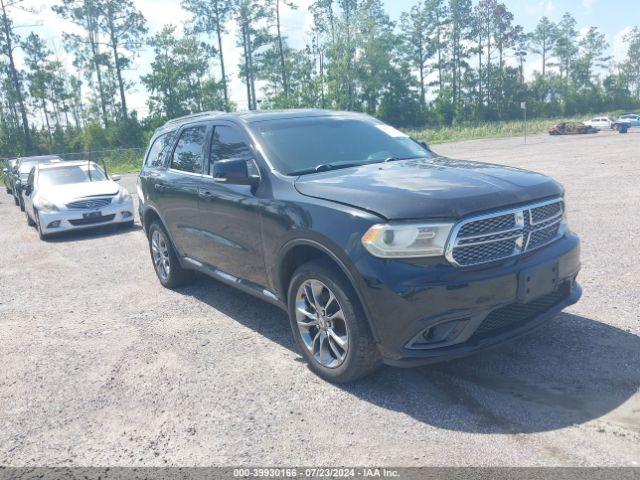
x,y
523,106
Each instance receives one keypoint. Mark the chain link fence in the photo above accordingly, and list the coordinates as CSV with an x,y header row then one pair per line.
x,y
122,160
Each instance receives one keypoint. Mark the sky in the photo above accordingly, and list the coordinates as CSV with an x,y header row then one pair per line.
x,y
612,17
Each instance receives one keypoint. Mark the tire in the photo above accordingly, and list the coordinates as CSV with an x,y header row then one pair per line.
x,y
30,222
21,203
15,200
41,234
165,261
334,363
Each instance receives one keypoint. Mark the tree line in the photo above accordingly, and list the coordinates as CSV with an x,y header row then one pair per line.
x,y
443,62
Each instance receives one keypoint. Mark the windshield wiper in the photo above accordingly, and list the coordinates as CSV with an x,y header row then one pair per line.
x,y
325,167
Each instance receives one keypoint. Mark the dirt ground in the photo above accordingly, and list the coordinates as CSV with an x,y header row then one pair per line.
x,y
99,365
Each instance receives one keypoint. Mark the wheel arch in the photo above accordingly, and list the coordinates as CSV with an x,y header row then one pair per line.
x,y
149,215
300,251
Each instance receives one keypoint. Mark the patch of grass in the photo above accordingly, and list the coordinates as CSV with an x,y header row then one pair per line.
x,y
124,161
486,130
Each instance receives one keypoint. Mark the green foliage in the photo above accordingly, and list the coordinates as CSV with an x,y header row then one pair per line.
x,y
177,83
455,65
478,130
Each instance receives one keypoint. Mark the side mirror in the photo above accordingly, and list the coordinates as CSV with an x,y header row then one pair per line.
x,y
5,170
27,190
116,178
234,171
424,145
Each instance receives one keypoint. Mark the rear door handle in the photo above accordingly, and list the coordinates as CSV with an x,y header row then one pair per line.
x,y
204,193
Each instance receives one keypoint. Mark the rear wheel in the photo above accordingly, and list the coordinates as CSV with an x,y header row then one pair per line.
x,y
165,260
329,324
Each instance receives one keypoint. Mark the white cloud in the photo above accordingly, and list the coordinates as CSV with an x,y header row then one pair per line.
x,y
588,4
619,46
542,7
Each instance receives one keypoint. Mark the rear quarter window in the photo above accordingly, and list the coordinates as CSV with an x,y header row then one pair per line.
x,y
157,155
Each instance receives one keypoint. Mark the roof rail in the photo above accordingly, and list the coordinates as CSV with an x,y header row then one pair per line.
x,y
194,115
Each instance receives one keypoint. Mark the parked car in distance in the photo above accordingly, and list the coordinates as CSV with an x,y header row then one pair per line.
x,y
21,173
633,119
75,195
7,174
571,128
378,249
601,123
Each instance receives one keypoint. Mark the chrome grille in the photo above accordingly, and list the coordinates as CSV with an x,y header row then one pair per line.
x,y
504,234
90,203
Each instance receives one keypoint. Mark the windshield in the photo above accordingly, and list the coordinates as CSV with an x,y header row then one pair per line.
x,y
27,165
71,174
304,145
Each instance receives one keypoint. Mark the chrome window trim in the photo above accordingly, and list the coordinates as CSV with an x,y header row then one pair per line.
x,y
182,172
521,246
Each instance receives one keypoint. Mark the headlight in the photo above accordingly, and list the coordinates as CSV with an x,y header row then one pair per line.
x,y
46,206
407,240
123,196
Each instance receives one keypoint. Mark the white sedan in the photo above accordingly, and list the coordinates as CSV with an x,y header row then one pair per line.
x,y
601,123
66,196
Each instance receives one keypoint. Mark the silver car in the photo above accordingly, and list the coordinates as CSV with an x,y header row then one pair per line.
x,y
65,196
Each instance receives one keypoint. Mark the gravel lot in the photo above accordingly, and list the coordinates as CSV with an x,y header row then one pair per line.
x,y
102,366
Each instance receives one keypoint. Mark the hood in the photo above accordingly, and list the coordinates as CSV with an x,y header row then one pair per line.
x,y
73,191
428,188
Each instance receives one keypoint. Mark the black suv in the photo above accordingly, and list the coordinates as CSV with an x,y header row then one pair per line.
x,y
379,249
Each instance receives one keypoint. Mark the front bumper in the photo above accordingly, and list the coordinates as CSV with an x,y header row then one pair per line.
x,y
474,309
74,219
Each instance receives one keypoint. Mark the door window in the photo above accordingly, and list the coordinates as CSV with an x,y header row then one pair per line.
x,y
228,143
187,157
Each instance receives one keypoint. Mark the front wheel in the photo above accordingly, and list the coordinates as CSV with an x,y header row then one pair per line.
x,y
165,260
41,234
30,222
329,324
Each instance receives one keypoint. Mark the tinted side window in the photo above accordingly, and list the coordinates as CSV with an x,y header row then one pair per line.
x,y
227,143
187,156
158,151
31,175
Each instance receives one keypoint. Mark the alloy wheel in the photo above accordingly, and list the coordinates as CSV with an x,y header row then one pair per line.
x,y
321,323
160,253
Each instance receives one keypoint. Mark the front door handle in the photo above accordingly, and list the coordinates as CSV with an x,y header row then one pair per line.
x,y
158,187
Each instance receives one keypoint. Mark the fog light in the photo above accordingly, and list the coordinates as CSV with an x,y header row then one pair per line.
x,y
54,224
443,331
126,214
